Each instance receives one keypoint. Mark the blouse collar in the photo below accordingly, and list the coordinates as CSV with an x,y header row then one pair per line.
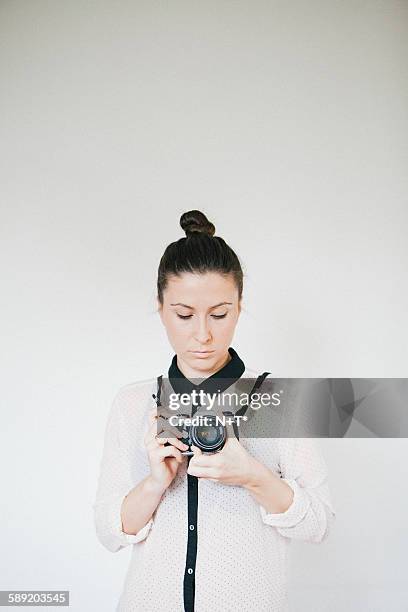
x,y
216,383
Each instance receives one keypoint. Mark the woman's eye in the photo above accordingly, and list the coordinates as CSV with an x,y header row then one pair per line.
x,y
189,316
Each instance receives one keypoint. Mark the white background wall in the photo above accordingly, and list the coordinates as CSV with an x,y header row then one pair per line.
x,y
286,123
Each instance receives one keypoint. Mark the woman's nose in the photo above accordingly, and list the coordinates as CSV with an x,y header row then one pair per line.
x,y
202,333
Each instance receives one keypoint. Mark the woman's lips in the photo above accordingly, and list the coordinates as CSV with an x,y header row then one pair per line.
x,y
202,353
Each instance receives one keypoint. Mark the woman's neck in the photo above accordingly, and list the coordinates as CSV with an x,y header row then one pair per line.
x,y
190,372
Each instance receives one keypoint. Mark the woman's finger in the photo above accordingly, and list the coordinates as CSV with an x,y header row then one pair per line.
x,y
174,441
205,460
169,430
202,472
169,451
197,451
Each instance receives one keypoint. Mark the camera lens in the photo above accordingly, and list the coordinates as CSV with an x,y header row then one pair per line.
x,y
208,437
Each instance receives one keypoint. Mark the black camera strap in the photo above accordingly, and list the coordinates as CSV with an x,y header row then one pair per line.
x,y
243,409
159,387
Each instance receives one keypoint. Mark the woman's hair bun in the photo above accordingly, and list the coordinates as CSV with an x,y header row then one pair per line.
x,y
194,221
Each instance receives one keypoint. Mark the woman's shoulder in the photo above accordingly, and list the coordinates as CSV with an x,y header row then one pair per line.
x,y
135,398
137,389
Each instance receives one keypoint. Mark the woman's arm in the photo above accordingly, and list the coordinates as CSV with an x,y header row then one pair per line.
x,y
133,478
139,504
303,469
116,482
268,489
296,502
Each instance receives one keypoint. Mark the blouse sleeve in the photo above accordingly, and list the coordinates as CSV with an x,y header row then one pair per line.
x,y
114,483
311,512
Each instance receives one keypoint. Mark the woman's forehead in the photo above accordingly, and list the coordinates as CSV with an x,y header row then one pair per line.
x,y
203,288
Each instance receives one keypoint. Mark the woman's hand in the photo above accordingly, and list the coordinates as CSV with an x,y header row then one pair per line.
x,y
164,460
233,465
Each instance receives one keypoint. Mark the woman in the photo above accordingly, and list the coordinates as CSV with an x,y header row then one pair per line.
x,y
210,531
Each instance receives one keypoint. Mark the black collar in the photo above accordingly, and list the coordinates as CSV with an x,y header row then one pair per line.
x,y
216,383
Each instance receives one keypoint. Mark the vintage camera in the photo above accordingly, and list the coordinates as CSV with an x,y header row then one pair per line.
x,y
206,431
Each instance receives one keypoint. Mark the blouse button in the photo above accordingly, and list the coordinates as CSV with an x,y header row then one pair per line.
x,y
191,527
190,570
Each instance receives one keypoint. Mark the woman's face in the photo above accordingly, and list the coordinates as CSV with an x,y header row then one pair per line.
x,y
200,312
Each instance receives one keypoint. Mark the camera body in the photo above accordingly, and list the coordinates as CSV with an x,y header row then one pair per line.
x,y
210,436
205,431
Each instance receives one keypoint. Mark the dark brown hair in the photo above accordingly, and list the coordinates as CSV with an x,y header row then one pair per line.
x,y
198,252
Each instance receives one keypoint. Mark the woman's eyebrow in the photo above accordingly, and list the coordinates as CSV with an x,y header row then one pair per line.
x,y
192,307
